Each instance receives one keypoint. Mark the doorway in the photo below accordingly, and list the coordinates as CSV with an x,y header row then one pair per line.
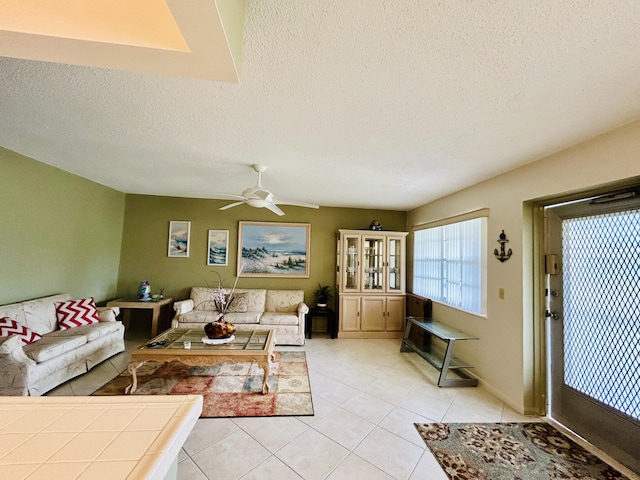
x,y
592,274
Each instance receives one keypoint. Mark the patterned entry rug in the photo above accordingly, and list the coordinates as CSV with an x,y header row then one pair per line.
x,y
229,389
513,451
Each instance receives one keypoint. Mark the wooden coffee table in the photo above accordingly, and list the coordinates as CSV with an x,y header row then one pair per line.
x,y
248,345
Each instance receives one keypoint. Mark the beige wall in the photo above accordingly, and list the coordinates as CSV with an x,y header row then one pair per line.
x,y
60,233
146,228
504,356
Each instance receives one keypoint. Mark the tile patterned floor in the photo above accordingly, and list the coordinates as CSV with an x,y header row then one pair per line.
x,y
366,395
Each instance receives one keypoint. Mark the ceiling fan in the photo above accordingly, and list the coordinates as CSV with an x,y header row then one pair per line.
x,y
259,197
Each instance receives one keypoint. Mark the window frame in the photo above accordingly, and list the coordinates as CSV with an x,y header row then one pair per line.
x,y
483,216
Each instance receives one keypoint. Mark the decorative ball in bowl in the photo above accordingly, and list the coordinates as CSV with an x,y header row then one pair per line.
x,y
219,329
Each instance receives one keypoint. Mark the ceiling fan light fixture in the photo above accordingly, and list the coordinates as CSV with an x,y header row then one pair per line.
x,y
256,202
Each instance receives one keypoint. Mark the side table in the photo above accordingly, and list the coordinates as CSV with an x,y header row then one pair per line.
x,y
128,304
328,313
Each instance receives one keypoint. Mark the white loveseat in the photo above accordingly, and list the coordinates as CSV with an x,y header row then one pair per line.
x,y
59,355
282,311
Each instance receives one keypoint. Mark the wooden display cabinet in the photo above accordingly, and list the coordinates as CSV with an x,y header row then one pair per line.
x,y
371,281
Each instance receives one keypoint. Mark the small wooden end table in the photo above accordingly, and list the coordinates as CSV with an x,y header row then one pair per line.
x,y
332,324
247,345
132,303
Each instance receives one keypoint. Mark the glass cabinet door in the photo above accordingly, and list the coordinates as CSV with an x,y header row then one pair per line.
x,y
351,263
395,275
373,264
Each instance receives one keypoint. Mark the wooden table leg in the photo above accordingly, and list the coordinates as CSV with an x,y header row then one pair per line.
x,y
154,320
132,369
266,366
126,318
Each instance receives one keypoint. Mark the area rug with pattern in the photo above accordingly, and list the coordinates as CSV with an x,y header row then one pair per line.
x,y
229,389
513,451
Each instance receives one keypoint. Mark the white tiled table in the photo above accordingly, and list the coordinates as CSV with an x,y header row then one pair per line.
x,y
132,437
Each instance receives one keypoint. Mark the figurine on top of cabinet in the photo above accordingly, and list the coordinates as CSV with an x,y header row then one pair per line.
x,y
375,225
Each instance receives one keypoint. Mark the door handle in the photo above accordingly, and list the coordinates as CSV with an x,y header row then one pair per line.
x,y
554,315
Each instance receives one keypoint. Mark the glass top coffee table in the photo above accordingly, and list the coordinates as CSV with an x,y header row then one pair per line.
x,y
186,346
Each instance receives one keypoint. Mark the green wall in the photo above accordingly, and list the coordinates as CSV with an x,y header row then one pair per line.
x,y
60,233
145,242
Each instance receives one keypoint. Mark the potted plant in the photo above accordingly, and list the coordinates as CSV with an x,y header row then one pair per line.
x,y
322,294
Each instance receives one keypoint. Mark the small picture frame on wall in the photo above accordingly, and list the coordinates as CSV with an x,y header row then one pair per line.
x,y
218,251
179,232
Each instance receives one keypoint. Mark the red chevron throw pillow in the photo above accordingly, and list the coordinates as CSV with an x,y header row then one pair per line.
x,y
75,313
9,326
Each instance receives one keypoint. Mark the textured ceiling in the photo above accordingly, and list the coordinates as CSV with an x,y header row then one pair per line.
x,y
361,103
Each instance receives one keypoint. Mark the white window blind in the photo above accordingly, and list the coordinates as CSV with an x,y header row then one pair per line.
x,y
449,264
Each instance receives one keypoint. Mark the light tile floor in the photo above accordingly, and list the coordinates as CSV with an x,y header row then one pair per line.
x,y
366,396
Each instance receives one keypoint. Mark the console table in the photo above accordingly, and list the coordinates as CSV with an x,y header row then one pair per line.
x,y
444,362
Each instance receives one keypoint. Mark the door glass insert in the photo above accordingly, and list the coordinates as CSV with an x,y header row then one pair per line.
x,y
351,263
601,308
394,267
373,263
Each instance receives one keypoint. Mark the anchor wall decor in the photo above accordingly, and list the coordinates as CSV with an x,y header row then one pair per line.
x,y
502,255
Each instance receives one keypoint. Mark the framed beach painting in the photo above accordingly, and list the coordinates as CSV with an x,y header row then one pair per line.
x,y
218,243
179,239
268,249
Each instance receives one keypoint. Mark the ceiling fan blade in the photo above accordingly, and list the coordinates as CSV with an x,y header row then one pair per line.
x,y
274,209
231,205
284,201
219,196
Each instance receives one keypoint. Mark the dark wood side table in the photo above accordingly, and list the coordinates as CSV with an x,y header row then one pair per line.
x,y
332,323
127,304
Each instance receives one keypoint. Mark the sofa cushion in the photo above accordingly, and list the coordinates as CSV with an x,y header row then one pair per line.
x,y
202,298
255,298
76,313
40,314
284,301
9,327
243,318
49,347
278,319
90,332
15,312
239,303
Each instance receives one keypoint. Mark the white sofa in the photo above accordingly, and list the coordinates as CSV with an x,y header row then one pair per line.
x,y
59,355
282,311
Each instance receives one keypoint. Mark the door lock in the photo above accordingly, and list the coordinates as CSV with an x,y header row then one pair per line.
x,y
554,315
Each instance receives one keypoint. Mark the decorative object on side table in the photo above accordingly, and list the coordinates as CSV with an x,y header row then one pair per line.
x,y
322,295
156,297
502,255
144,291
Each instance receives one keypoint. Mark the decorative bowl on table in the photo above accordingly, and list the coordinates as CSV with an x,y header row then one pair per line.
x,y
219,329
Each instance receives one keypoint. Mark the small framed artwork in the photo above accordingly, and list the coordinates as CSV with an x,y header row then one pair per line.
x,y
179,239
268,249
217,254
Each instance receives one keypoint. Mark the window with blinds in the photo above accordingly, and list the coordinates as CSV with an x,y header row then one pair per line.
x,y
449,264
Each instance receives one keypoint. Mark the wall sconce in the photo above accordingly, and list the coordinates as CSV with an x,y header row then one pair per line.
x,y
502,255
